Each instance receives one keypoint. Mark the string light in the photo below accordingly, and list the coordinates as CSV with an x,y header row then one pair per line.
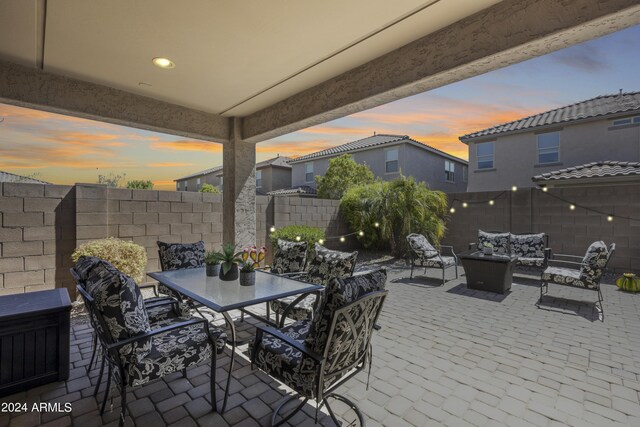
x,y
321,241
342,239
609,218
272,229
376,225
572,207
545,189
465,204
491,203
514,188
452,210
360,233
298,238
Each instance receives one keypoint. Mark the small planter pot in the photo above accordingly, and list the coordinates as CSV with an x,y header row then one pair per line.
x,y
213,270
232,274
487,251
247,278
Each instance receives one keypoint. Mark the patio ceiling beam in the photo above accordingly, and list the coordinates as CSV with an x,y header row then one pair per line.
x,y
33,88
509,32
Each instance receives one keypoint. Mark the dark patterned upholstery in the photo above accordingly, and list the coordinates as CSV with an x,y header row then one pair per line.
x,y
327,264
532,262
594,262
339,293
421,246
439,262
564,276
301,311
289,257
499,241
528,245
345,347
178,256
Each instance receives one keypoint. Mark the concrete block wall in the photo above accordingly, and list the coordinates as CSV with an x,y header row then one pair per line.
x,y
37,237
570,231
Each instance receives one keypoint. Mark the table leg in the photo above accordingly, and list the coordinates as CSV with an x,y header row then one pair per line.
x,y
232,327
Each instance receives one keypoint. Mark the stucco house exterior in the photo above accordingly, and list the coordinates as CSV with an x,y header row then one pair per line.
x,y
605,128
387,156
272,174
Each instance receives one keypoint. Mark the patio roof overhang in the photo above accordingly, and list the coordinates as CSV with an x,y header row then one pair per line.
x,y
247,72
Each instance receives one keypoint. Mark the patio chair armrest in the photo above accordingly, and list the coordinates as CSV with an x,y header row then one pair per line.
x,y
291,305
450,248
161,301
557,261
298,275
568,256
377,327
301,346
155,290
473,246
547,253
154,332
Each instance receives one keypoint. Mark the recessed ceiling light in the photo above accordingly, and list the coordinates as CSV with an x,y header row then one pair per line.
x,y
163,62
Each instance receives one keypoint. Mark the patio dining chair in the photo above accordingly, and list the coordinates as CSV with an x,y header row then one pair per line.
x,y
423,252
136,350
325,266
314,357
585,274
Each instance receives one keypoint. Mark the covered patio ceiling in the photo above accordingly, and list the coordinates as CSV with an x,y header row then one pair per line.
x,y
279,65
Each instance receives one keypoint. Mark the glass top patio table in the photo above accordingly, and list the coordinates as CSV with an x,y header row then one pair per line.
x,y
223,296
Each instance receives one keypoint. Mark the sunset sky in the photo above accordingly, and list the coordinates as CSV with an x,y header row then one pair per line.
x,y
65,150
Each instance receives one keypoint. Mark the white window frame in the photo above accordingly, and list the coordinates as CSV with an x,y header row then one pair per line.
x,y
308,171
449,171
547,150
258,179
387,161
626,121
485,157
198,184
178,186
465,173
186,186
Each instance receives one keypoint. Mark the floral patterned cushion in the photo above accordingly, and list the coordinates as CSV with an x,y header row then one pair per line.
x,y
531,262
594,262
289,257
499,241
284,362
421,246
439,262
120,302
301,311
84,265
528,245
565,276
177,256
327,264
339,293
170,352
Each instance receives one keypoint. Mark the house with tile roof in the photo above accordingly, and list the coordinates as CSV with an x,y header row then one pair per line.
x,y
272,174
605,128
387,156
11,177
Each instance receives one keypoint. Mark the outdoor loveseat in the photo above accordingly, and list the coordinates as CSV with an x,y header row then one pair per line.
x,y
532,249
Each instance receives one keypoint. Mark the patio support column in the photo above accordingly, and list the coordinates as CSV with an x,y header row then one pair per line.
x,y
239,188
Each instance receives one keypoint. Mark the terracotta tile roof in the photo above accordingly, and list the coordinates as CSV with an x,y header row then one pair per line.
x,y
301,190
603,169
11,177
370,142
596,107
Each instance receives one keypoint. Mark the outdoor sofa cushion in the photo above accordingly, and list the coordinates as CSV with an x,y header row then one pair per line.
x,y
289,257
421,246
328,264
499,241
439,261
178,256
528,245
593,263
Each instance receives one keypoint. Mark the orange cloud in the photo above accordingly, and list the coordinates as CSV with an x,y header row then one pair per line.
x,y
187,145
168,164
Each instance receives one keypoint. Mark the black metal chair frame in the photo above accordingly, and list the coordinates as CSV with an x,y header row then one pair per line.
x,y
362,357
415,259
544,285
112,356
547,249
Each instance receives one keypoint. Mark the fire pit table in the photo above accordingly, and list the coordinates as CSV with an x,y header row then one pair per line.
x,y
493,273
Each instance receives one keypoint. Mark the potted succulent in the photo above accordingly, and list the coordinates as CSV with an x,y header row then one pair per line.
x,y
229,260
212,263
487,248
629,282
251,259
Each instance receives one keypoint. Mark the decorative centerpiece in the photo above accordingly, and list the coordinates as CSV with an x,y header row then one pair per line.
x,y
212,263
487,249
251,259
229,260
629,282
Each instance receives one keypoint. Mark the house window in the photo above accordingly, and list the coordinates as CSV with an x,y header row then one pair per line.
x,y
449,171
198,184
221,183
391,161
626,121
464,174
308,172
177,186
258,179
548,147
186,186
484,153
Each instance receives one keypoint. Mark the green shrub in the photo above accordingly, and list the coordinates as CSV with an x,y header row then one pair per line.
x,y
311,235
208,188
140,184
128,257
342,174
398,208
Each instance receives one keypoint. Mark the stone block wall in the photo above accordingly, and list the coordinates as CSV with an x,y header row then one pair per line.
x,y
37,237
570,231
